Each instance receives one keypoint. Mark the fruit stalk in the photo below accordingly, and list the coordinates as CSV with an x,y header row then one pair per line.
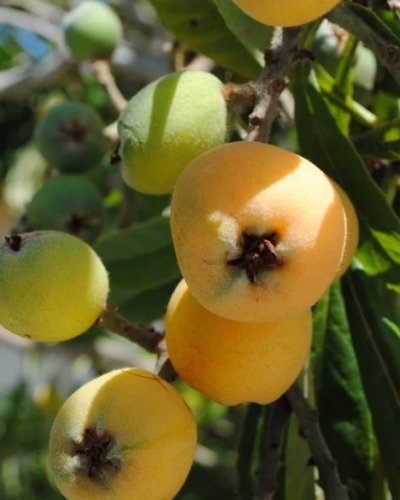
x,y
144,336
102,70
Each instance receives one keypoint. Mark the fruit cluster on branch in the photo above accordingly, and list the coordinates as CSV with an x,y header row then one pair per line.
x,y
260,233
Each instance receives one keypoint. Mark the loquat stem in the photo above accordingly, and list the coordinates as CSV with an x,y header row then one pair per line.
x,y
101,68
272,81
384,50
145,337
241,94
278,419
307,418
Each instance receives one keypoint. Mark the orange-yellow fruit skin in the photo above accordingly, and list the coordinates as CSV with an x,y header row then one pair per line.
x,y
259,189
233,362
352,232
286,12
155,435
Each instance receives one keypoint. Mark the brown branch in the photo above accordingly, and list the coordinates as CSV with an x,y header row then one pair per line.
x,y
272,81
145,337
102,70
39,8
307,418
241,94
19,82
271,459
384,50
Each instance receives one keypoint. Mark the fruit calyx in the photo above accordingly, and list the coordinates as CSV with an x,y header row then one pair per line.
x,y
78,222
14,242
74,132
258,254
95,450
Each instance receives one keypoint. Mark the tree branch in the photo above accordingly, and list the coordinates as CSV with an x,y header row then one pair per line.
x,y
384,50
307,418
272,81
53,70
271,459
39,8
146,337
38,25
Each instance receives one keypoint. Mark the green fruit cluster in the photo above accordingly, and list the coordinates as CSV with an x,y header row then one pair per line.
x,y
259,233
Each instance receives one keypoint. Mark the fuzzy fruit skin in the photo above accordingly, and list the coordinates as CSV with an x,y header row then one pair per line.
x,y
166,125
352,232
67,203
92,30
70,137
256,188
53,288
233,362
285,12
154,432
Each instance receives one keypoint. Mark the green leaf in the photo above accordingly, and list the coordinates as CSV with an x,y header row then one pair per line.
x,y
382,142
199,25
330,89
322,141
376,23
256,37
376,339
246,461
344,76
299,475
140,258
374,261
391,20
135,241
340,399
143,307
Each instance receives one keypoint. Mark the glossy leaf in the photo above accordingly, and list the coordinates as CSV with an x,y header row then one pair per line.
x,y
376,339
299,475
256,37
143,270
377,23
330,90
247,448
322,141
143,307
344,82
382,142
199,25
340,399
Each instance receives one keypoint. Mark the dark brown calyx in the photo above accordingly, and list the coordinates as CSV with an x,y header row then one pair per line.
x,y
74,131
258,254
95,452
78,222
14,242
